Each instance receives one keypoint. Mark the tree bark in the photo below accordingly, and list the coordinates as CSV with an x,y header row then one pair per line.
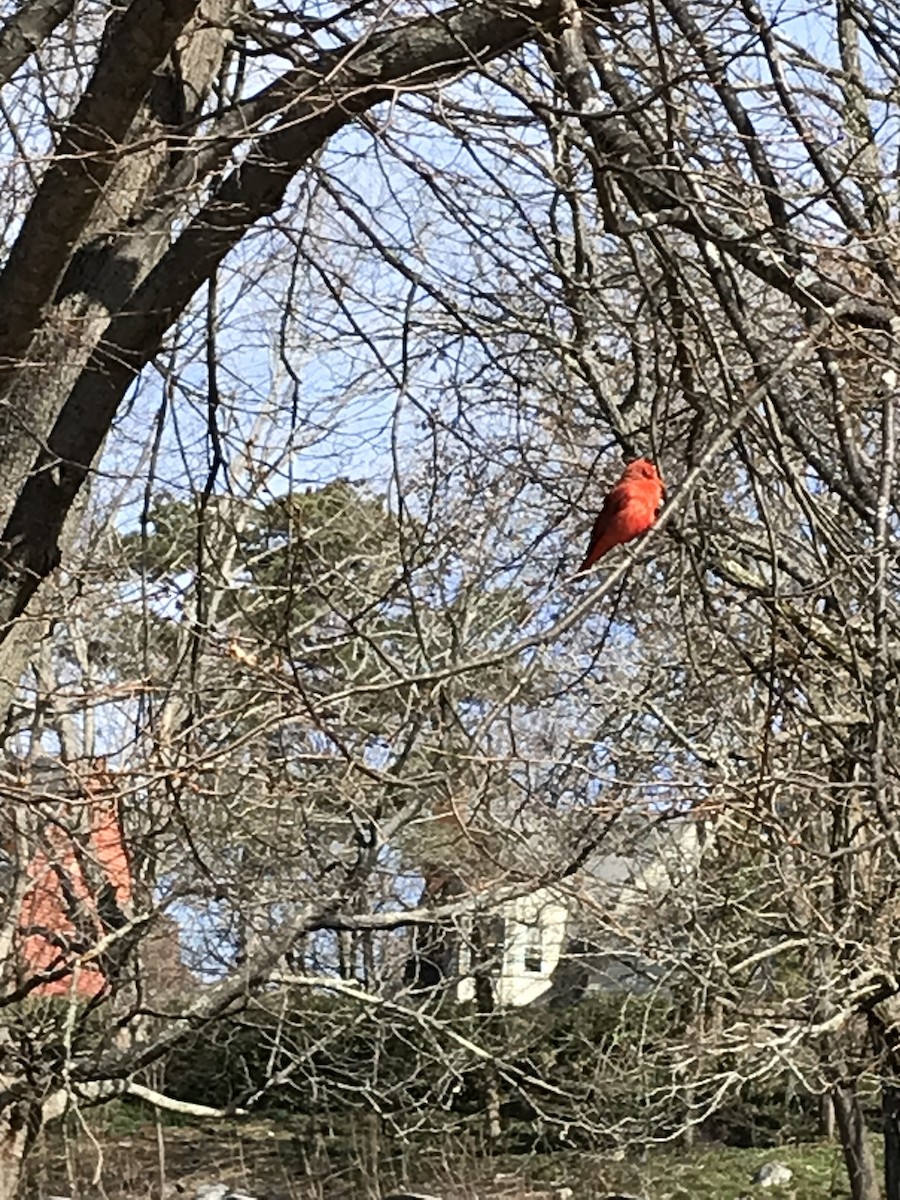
x,y
890,1115
858,1157
88,152
20,1123
826,1116
14,1143
97,278
24,32
882,1020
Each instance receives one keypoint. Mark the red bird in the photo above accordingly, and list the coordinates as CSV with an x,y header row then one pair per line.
x,y
629,510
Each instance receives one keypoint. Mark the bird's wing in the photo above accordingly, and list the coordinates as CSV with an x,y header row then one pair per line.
x,y
613,505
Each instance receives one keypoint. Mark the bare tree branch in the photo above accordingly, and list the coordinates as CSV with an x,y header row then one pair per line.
x,y
26,30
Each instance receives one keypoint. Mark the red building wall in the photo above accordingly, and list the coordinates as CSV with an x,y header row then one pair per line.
x,y
60,922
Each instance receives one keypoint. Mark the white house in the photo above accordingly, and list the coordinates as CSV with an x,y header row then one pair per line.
x,y
593,924
528,936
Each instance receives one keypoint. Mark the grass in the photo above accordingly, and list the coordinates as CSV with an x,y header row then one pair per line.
x,y
710,1172
725,1173
261,1158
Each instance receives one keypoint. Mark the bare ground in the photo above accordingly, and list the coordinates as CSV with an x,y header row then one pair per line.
x,y
264,1160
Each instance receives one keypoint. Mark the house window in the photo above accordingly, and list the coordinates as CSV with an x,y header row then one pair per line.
x,y
534,950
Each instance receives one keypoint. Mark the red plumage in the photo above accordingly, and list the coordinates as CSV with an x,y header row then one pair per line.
x,y
630,509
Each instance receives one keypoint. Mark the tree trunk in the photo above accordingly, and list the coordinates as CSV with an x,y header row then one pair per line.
x,y
826,1116
858,1156
890,1114
689,1133
20,1124
882,1019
